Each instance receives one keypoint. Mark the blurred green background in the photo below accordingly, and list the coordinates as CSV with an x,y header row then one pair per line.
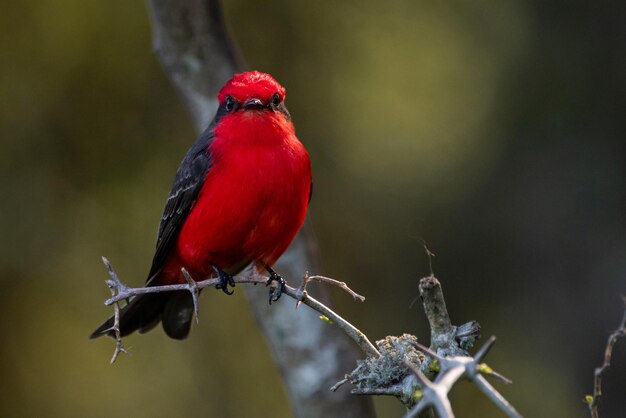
x,y
493,130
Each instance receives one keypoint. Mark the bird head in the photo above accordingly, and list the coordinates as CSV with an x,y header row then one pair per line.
x,y
252,91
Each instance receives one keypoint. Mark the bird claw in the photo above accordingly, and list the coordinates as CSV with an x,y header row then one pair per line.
x,y
275,292
225,281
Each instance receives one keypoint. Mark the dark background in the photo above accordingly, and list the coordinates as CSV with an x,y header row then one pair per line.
x,y
493,130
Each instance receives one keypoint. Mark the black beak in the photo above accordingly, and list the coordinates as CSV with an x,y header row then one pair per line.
x,y
253,104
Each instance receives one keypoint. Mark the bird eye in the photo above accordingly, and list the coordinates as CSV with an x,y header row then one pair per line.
x,y
229,103
276,99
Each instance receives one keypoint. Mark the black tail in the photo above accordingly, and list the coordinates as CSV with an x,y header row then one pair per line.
x,y
173,309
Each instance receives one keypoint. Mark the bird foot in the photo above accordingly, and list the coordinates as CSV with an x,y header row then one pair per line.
x,y
275,292
225,280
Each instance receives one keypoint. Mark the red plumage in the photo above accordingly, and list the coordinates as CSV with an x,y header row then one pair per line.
x,y
239,197
255,196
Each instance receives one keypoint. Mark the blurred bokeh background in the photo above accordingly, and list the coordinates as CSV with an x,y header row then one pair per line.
x,y
496,131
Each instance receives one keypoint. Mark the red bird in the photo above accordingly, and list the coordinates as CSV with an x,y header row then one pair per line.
x,y
239,197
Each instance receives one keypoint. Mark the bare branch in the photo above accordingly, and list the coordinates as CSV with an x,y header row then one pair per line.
x,y
115,284
334,282
442,332
339,384
428,351
435,393
593,400
391,391
120,291
483,368
354,333
419,393
423,383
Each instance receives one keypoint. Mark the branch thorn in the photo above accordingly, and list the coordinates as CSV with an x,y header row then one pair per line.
x,y
193,289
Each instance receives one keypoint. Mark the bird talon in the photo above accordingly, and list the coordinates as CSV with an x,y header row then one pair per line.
x,y
275,292
225,281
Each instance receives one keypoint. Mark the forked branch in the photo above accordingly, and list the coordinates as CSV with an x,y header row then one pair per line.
x,y
121,292
420,377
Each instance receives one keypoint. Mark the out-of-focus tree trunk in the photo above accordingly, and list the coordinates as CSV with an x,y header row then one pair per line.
x,y
192,42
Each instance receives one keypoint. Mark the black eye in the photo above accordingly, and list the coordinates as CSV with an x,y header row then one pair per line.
x,y
276,99
229,103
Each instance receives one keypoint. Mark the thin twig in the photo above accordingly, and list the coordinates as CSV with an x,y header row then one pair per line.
x,y
359,337
430,256
124,292
430,394
593,401
428,351
339,384
115,284
337,283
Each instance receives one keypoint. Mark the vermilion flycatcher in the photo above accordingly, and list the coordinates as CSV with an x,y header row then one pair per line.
x,y
239,197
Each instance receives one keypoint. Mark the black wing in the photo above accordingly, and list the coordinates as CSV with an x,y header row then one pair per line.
x,y
187,184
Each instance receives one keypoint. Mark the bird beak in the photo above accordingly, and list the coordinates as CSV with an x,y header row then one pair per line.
x,y
253,104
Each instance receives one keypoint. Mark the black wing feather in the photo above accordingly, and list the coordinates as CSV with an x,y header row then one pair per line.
x,y
174,310
187,184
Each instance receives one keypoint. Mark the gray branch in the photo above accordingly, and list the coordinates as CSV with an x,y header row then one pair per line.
x,y
421,377
121,291
191,40
396,368
435,393
593,400
443,335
